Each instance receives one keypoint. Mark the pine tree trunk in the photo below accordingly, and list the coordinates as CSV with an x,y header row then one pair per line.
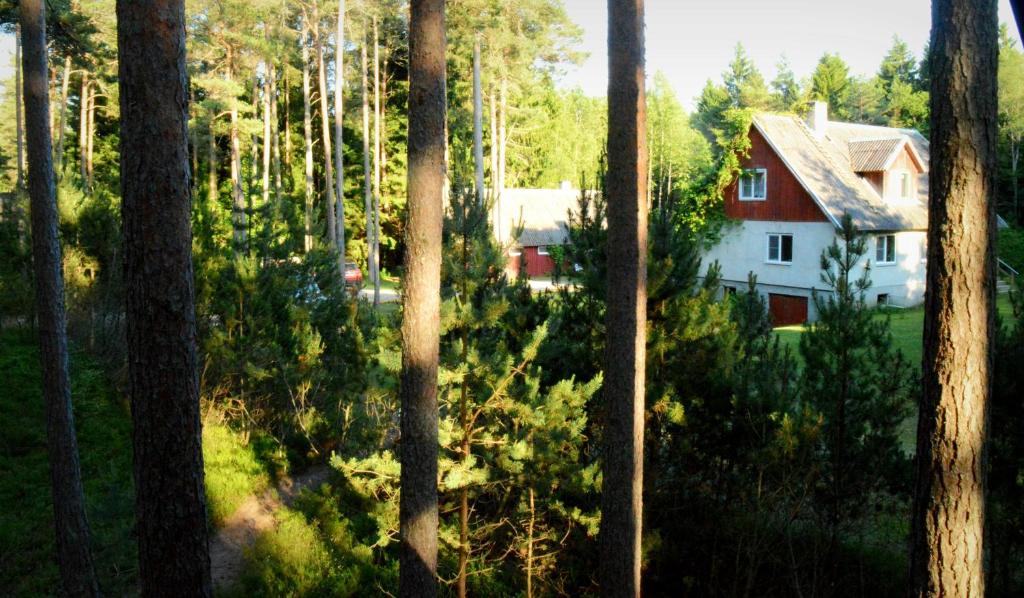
x,y
212,192
377,157
174,557
421,300
339,150
621,503
947,550
267,131
65,88
495,195
502,133
19,102
83,128
275,139
90,140
78,576
367,181
288,149
307,131
478,125
325,125
239,217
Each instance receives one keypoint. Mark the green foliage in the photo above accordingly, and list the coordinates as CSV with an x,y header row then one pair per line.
x,y
1011,247
856,380
830,83
237,466
27,548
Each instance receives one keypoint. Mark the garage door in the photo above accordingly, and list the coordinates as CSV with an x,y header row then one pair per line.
x,y
787,310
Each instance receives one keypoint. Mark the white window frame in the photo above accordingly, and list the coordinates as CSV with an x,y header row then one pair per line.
x,y
768,249
756,171
882,247
542,250
910,185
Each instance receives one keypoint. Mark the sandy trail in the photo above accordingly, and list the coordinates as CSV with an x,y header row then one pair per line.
x,y
253,517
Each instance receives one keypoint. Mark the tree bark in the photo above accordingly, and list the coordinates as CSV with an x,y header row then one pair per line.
x,y
495,195
267,132
377,158
212,191
621,503
307,132
288,149
275,140
90,140
478,125
65,88
325,125
367,180
174,557
947,550
19,102
78,576
83,128
421,300
339,150
239,213
502,133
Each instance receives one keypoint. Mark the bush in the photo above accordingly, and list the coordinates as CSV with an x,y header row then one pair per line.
x,y
1011,247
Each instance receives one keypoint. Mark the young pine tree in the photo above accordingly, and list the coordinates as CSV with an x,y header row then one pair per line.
x,y
857,381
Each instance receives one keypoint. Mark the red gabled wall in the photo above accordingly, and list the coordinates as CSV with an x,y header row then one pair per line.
x,y
787,200
537,265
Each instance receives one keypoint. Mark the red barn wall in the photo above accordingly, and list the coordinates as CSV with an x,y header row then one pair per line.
x,y
536,265
787,200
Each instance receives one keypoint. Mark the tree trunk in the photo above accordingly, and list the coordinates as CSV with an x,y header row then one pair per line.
x,y
19,102
174,557
325,124
621,502
947,550
367,181
212,192
83,127
377,157
307,131
65,87
421,300
275,139
495,195
502,133
90,140
239,216
339,150
478,125
288,149
267,132
78,576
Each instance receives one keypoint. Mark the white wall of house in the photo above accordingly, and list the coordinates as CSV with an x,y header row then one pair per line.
x,y
744,249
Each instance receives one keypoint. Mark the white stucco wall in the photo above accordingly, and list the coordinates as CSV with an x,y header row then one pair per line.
x,y
744,249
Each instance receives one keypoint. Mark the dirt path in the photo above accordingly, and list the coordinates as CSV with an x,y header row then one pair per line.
x,y
253,517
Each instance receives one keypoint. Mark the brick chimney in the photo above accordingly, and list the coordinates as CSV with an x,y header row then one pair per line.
x,y
817,118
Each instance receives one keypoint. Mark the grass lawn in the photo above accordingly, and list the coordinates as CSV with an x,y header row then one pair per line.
x,y
907,327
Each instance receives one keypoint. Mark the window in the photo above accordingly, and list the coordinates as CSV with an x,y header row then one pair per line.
x,y
515,251
885,249
729,291
780,248
542,250
754,184
906,185
883,299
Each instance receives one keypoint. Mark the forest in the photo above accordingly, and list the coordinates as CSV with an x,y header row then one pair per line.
x,y
198,402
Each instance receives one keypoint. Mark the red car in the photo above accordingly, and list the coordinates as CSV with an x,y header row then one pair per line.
x,y
353,275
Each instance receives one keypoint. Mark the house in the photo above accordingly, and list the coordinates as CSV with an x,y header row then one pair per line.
x,y
541,217
798,181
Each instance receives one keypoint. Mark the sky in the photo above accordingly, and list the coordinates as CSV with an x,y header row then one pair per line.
x,y
691,41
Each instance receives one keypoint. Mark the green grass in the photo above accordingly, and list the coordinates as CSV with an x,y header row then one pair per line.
x,y
907,326
27,566
236,466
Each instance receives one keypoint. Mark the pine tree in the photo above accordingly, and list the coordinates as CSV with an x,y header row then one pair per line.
x,y
948,526
786,88
831,83
174,556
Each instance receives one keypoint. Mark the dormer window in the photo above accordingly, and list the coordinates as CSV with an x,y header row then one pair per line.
x,y
754,184
906,185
